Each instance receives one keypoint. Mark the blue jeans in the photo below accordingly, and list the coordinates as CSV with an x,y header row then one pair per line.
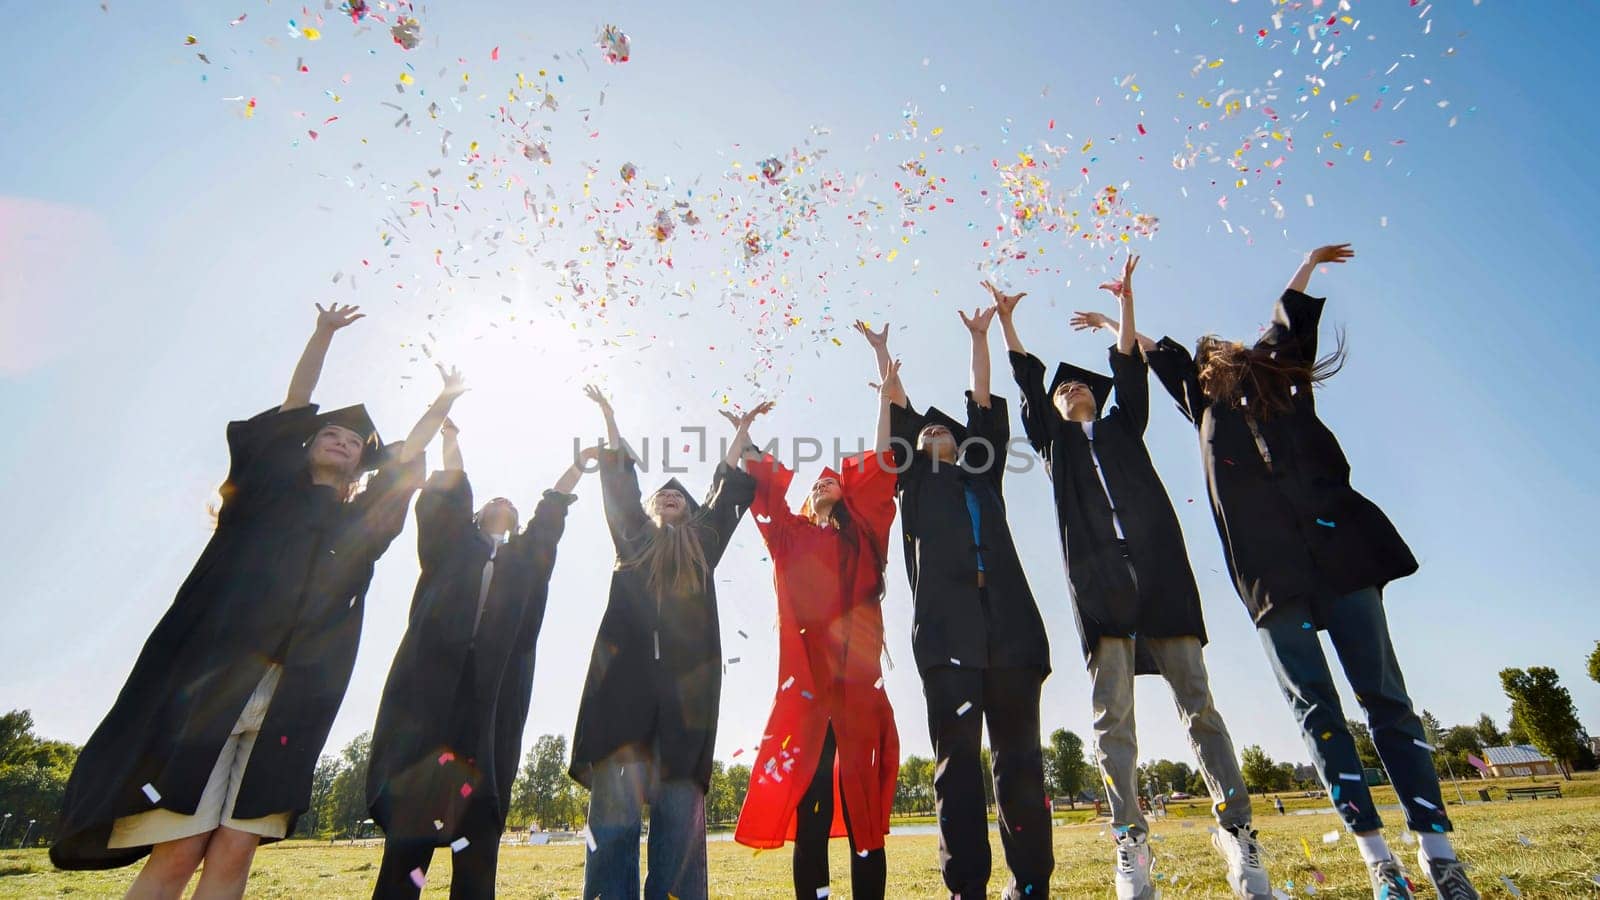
x,y
1360,634
677,856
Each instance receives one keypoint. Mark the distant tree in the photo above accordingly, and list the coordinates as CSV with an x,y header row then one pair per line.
x,y
1365,748
33,777
1166,776
1453,747
1283,777
1432,730
726,797
986,763
1594,662
914,787
1489,734
318,818
347,796
1516,733
1067,770
1260,772
542,793
1544,708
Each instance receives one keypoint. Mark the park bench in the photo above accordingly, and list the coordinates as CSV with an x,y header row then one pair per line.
x,y
1534,792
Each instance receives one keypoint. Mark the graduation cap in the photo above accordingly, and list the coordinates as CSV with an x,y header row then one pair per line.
x,y
936,416
674,484
1099,385
356,419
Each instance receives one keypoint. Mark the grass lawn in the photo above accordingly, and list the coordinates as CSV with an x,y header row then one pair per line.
x,y
1560,859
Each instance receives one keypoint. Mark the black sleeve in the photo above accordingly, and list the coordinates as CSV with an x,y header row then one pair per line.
x,y
1176,369
264,451
1028,372
384,501
993,427
732,490
905,424
619,493
1293,334
1131,376
444,516
544,530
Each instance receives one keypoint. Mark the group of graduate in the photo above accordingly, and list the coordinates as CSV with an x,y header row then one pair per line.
x,y
210,747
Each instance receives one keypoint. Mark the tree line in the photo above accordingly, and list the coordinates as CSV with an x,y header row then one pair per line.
x,y
34,770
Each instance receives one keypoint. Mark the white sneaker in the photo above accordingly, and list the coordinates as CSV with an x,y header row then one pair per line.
x,y
1449,877
1246,875
1133,867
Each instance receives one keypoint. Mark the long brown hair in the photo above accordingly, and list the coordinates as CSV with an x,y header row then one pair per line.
x,y
673,559
1230,370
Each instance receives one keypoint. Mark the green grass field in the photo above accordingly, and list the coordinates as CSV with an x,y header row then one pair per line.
x,y
1546,848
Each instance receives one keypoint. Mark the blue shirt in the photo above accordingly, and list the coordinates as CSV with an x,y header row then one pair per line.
x,y
972,510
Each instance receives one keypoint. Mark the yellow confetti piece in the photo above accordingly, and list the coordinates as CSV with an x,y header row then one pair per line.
x,y
1214,64
937,131
892,255
405,78
311,34
838,343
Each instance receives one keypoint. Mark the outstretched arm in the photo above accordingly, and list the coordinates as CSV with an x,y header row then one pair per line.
x,y
1127,334
1331,253
978,326
890,393
613,441
741,433
574,473
309,368
452,446
1005,306
421,433
879,340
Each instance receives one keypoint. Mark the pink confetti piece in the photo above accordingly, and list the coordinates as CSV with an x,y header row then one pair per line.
x,y
418,878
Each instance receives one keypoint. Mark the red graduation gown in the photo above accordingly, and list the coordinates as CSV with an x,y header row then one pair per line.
x,y
830,641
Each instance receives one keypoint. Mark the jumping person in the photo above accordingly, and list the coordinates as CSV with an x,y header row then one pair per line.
x,y
831,732
448,738
647,723
210,747
1133,593
977,637
1308,553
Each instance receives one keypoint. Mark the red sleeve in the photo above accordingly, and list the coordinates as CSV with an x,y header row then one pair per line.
x,y
770,506
867,482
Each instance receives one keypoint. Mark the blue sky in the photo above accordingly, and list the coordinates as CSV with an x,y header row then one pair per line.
x,y
159,255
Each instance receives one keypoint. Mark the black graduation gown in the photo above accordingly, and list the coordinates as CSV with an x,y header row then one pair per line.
x,y
950,624
449,727
632,698
1165,602
282,580
1298,530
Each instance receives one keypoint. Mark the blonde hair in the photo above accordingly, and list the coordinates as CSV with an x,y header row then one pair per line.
x,y
674,560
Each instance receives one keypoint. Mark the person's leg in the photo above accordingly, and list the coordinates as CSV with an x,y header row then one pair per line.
x,y
616,811
813,821
1183,665
227,864
869,871
677,865
1297,661
955,726
1360,634
473,866
404,869
1011,708
168,869
1115,744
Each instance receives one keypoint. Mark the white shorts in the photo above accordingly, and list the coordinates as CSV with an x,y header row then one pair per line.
x,y
221,790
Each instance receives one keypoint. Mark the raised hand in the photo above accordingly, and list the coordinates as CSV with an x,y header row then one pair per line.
x,y
741,421
1331,253
1089,321
1124,285
891,386
878,339
978,323
455,384
593,393
1005,304
336,317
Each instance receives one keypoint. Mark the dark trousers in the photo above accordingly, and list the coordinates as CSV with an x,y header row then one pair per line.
x,y
869,872
1360,635
472,867
960,701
